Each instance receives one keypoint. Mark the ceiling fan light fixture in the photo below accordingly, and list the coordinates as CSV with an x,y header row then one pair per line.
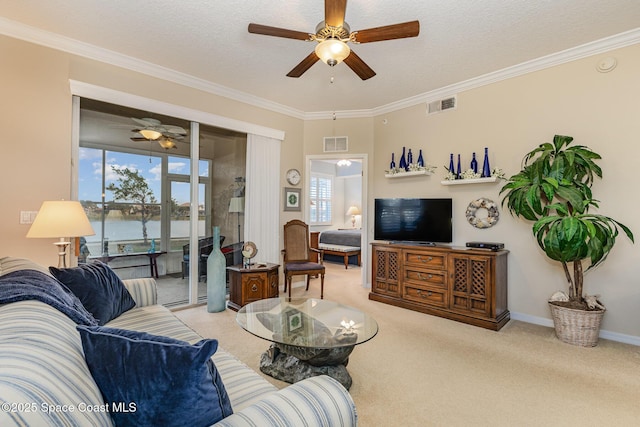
x,y
150,134
332,51
167,143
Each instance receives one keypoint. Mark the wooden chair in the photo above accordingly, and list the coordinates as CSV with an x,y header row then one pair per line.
x,y
297,255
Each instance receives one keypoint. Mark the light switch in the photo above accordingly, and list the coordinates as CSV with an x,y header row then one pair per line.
x,y
27,217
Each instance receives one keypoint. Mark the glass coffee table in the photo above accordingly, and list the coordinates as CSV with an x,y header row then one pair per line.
x,y
309,337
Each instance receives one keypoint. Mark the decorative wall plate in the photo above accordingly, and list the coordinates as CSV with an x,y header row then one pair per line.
x,y
492,213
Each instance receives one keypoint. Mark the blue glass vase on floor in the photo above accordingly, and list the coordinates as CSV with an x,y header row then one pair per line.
x,y
392,165
409,158
459,170
486,170
451,169
403,161
420,159
474,163
216,276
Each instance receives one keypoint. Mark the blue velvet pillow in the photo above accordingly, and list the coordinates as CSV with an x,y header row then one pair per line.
x,y
161,381
98,288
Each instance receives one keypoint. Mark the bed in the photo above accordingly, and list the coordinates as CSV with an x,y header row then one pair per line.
x,y
341,245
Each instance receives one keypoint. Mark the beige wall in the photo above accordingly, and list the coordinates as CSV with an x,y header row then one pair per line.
x,y
510,117
599,110
36,114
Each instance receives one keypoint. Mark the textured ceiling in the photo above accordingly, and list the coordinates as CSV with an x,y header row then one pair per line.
x,y
208,40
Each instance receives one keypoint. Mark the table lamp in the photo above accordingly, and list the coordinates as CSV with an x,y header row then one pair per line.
x,y
61,218
353,211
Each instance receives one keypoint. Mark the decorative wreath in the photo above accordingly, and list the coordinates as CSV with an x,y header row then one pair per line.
x,y
492,213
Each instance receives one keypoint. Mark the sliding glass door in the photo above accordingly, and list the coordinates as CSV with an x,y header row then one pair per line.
x,y
137,192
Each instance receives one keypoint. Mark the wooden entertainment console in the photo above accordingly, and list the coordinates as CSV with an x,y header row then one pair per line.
x,y
463,284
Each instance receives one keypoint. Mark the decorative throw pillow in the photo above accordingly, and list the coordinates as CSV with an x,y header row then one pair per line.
x,y
98,288
153,380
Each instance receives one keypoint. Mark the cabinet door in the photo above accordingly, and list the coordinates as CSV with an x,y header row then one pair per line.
x,y
470,283
386,271
253,287
272,290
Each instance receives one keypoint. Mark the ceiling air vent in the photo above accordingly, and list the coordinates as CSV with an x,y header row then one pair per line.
x,y
442,105
333,144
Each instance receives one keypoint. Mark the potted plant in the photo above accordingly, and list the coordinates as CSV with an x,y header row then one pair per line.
x,y
553,189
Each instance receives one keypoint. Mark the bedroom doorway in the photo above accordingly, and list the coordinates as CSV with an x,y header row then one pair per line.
x,y
339,188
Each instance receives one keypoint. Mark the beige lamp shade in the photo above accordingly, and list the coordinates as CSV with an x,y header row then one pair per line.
x,y
236,204
60,219
353,210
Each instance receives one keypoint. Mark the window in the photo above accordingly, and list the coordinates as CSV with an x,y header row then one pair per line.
x,y
127,214
320,194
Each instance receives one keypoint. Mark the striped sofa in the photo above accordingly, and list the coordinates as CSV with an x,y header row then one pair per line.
x,y
44,380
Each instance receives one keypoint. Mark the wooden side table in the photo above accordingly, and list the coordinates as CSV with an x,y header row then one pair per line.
x,y
252,284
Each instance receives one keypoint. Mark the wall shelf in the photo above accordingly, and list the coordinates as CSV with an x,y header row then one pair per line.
x,y
406,174
470,181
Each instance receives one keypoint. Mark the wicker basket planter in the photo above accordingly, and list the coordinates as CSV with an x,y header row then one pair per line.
x,y
576,327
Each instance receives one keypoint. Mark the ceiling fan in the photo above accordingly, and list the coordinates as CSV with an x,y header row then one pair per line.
x,y
154,130
332,36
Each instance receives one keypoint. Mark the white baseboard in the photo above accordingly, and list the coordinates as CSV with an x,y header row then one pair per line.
x,y
607,335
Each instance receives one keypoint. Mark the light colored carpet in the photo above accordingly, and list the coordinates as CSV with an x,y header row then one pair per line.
x,y
422,370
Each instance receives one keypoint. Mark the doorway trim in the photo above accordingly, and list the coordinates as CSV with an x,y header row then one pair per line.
x,y
364,242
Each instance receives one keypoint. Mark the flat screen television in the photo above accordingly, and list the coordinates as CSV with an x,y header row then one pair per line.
x,y
424,221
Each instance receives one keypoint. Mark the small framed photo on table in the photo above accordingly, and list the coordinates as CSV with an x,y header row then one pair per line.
x,y
294,321
292,199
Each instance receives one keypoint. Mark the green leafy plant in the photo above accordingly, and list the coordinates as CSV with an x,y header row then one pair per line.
x,y
553,189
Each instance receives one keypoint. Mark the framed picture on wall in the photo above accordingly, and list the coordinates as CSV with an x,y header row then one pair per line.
x,y
292,199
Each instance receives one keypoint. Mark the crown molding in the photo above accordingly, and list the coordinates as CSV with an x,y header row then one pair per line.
x,y
16,30
617,41
44,38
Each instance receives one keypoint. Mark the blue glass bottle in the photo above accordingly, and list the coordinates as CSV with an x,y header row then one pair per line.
x,y
486,169
420,159
392,165
474,163
451,169
409,158
403,161
459,171
216,276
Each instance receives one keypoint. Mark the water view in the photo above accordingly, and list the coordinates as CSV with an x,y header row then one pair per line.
x,y
131,231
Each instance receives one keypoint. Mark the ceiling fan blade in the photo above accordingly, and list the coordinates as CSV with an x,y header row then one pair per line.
x,y
334,11
148,122
388,32
358,66
176,130
277,32
138,139
303,66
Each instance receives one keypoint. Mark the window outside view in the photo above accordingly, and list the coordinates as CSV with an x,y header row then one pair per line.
x,y
320,194
129,217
